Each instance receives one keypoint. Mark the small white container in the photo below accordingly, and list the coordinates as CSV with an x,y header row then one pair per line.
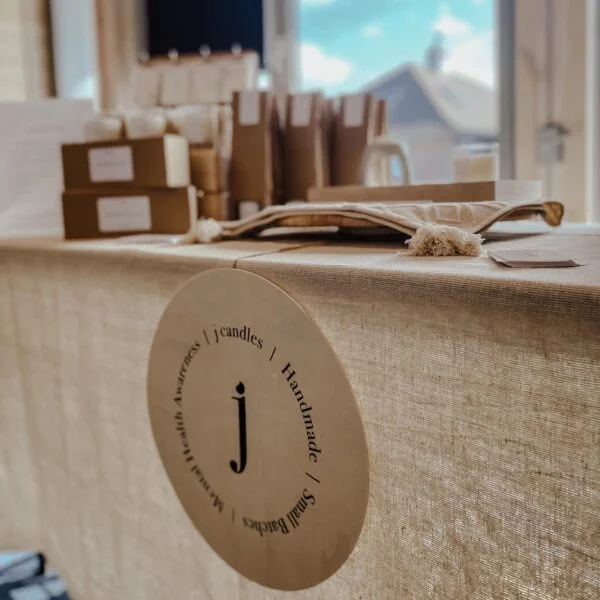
x,y
476,162
199,124
145,124
175,118
102,128
248,208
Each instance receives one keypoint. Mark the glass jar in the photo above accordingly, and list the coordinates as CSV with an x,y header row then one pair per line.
x,y
476,162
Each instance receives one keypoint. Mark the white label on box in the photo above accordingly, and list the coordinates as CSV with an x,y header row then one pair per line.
x,y
249,108
301,105
111,164
354,109
127,213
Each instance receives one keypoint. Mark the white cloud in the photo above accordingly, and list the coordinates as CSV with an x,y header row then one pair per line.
x,y
474,57
450,25
372,30
319,68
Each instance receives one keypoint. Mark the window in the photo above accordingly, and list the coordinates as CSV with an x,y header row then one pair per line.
x,y
434,62
522,72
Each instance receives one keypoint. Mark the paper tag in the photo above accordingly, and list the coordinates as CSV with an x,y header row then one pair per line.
x,y
354,109
258,429
249,108
127,213
533,258
174,85
111,164
301,105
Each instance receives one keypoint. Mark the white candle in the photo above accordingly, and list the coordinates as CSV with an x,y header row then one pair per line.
x,y
476,166
248,208
103,127
200,124
145,124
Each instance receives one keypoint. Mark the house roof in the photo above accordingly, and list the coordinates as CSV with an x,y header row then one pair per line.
x,y
467,106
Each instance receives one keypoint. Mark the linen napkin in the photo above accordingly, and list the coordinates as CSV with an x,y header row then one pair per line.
x,y
459,222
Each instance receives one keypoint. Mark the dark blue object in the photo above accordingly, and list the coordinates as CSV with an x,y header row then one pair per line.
x,y
23,577
17,566
185,25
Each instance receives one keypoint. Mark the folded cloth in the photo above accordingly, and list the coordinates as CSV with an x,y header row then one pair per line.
x,y
17,566
23,576
400,217
42,587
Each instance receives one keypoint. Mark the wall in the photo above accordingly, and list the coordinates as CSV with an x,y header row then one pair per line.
x,y
25,50
120,34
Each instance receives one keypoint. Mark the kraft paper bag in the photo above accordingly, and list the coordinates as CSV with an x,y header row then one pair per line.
x,y
306,145
356,126
255,173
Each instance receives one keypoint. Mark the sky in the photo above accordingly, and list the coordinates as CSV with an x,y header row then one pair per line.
x,y
347,43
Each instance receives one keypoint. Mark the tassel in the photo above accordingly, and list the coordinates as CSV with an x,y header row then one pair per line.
x,y
442,240
208,230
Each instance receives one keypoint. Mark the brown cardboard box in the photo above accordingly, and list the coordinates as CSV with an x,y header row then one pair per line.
x,y
355,127
89,214
306,145
208,169
214,206
255,173
151,162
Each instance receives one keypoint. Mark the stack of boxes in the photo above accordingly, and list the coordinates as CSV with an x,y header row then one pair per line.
x,y
247,161
208,170
207,128
124,187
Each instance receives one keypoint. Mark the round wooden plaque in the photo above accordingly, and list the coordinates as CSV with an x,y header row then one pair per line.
x,y
258,429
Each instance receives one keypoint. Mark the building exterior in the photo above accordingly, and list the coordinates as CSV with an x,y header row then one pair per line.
x,y
431,113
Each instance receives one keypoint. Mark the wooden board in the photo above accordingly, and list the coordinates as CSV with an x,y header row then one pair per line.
x,y
507,190
258,429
